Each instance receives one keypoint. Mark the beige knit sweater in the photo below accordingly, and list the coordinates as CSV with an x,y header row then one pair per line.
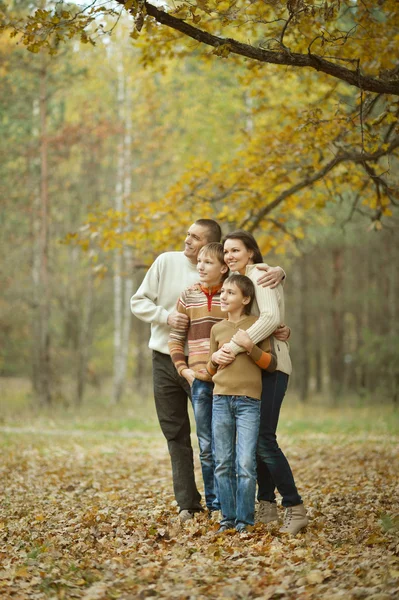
x,y
269,306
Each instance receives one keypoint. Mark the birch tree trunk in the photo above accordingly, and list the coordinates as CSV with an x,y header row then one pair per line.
x,y
123,262
35,272
128,258
40,262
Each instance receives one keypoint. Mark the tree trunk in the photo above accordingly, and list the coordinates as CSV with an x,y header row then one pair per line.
x,y
40,263
84,339
303,367
318,360
393,329
337,345
123,263
35,272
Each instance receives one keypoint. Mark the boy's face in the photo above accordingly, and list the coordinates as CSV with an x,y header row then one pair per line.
x,y
210,269
232,299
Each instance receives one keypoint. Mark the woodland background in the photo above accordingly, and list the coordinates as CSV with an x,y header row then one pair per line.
x,y
110,149
120,124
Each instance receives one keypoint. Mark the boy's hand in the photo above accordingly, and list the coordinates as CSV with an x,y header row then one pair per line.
x,y
188,375
224,356
242,339
282,333
176,319
272,276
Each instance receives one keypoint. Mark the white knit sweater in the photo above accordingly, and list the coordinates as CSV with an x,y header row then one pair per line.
x,y
269,305
165,280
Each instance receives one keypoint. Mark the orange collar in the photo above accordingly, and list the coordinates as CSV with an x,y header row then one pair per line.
x,y
211,291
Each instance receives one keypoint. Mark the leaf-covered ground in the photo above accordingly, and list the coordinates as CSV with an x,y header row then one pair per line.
x,y
92,516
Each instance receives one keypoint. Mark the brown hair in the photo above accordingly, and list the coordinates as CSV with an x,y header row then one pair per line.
x,y
215,250
249,242
214,231
246,287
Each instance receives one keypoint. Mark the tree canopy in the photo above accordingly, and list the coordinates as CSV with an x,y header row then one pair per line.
x,y
353,41
321,82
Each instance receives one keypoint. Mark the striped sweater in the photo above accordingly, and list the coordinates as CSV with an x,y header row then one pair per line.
x,y
202,306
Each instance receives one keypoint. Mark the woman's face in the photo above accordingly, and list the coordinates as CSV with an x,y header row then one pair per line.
x,y
236,255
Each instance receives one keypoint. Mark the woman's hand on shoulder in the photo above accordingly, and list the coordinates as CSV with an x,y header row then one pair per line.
x,y
271,276
196,287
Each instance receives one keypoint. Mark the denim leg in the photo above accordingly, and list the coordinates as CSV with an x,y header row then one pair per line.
x,y
224,440
170,392
201,394
247,411
274,470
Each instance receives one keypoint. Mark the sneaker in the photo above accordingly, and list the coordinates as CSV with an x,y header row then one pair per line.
x,y
295,519
244,528
225,527
186,515
266,512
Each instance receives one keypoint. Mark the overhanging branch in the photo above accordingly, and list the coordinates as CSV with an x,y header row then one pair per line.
x,y
292,59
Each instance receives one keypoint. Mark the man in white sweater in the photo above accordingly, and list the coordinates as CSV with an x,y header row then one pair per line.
x,y
155,303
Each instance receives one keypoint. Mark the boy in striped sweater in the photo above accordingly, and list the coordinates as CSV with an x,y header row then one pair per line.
x,y
201,303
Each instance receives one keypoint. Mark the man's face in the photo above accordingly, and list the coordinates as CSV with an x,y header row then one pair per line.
x,y
196,238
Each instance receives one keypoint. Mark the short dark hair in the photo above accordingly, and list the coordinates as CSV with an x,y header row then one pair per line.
x,y
214,249
249,242
214,230
246,286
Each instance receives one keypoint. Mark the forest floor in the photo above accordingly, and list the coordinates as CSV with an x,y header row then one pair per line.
x,y
89,513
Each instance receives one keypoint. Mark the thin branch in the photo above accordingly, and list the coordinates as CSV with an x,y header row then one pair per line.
x,y
283,228
379,183
354,157
354,205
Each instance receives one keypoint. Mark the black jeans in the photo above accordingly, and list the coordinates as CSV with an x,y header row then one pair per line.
x,y
170,393
273,468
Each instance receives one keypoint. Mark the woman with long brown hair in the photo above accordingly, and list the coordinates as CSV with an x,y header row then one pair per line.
x,y
242,254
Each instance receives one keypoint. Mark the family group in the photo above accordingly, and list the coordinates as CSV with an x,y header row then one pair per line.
x,y
218,338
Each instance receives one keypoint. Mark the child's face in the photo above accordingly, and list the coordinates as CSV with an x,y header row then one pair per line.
x,y
210,269
232,299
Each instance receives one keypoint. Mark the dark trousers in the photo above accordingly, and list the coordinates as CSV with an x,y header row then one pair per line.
x,y
171,394
273,468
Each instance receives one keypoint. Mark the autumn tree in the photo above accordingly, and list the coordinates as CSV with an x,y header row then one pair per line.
x,y
300,116
341,128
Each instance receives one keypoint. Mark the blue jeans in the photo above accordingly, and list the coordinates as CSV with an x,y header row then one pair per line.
x,y
235,432
201,395
273,468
